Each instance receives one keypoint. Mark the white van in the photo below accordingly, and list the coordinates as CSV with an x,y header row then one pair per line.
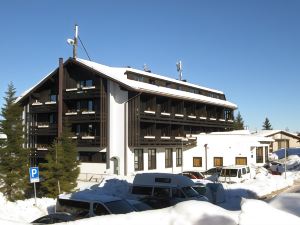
x,y
82,205
165,185
235,174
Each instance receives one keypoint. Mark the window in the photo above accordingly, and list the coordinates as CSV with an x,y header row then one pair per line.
x,y
92,157
240,160
52,98
78,105
266,154
283,143
77,129
168,157
179,157
52,118
218,161
259,155
88,83
99,209
162,192
197,161
151,159
90,130
90,105
138,159
84,83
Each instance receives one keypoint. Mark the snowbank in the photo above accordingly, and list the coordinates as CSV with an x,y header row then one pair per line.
x,y
258,212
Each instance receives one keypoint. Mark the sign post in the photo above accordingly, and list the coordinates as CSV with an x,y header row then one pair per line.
x,y
34,177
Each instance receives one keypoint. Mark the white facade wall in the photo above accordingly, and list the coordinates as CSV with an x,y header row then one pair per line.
x,y
226,146
116,123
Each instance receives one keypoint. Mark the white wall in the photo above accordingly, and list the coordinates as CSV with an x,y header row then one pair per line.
x,y
228,147
116,100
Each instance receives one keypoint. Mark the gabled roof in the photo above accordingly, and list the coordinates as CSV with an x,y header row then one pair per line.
x,y
269,133
118,74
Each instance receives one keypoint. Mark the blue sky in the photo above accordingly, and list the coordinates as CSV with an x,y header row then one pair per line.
x,y
250,50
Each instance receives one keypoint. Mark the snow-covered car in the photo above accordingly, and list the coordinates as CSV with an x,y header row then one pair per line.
x,y
139,205
193,174
83,205
58,217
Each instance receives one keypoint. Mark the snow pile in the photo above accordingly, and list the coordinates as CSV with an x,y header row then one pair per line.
x,y
185,213
25,210
258,212
289,202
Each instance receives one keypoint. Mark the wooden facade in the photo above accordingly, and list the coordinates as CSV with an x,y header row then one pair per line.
x,y
77,95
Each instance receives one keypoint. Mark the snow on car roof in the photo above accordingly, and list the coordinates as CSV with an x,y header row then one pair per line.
x,y
89,195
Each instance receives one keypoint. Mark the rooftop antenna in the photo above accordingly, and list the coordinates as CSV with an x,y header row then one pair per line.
x,y
146,68
74,42
179,69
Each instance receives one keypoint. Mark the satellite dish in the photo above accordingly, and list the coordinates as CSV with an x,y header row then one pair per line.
x,y
70,41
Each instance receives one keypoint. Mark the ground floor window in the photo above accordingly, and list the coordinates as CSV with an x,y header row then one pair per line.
x,y
240,160
178,156
259,155
284,143
218,161
266,154
151,159
197,161
168,157
138,159
92,157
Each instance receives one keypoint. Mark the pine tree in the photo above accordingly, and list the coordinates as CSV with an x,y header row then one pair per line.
x,y
61,170
14,175
238,123
267,125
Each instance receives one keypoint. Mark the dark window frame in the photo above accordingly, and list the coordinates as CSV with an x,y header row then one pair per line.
x,y
195,163
138,159
179,157
152,159
168,157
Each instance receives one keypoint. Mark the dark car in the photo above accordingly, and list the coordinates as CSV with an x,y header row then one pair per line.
x,y
157,202
54,218
193,174
212,171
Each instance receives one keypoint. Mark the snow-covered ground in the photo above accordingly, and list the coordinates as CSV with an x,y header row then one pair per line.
x,y
239,207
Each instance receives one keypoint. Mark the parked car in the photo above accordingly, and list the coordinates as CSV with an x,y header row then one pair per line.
x,y
235,174
139,205
193,174
160,190
54,218
82,205
215,171
275,168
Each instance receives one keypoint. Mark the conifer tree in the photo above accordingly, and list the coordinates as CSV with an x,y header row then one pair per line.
x,y
61,170
238,123
267,125
14,174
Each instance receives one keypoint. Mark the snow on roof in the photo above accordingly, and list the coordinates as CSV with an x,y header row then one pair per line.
x,y
267,133
118,74
3,136
238,136
171,80
30,89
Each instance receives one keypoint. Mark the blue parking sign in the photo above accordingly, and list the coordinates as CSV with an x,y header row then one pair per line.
x,y
34,174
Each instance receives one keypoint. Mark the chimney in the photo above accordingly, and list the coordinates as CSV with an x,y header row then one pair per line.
x,y
60,95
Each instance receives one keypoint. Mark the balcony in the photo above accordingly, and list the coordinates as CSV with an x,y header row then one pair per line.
x,y
75,116
44,129
42,147
81,93
39,107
